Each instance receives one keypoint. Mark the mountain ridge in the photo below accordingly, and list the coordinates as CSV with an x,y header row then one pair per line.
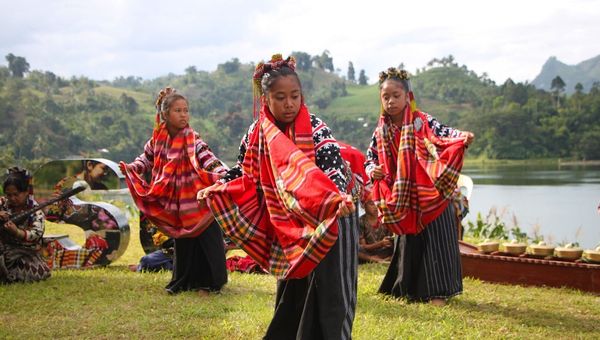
x,y
586,72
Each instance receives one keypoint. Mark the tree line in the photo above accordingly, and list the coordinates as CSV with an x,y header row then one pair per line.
x,y
44,116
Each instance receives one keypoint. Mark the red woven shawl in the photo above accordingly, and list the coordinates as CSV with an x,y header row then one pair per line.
x,y
421,172
169,200
283,210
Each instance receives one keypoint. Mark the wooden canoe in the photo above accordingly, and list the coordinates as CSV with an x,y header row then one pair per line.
x,y
529,271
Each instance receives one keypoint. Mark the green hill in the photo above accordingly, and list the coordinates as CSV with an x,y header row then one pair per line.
x,y
44,116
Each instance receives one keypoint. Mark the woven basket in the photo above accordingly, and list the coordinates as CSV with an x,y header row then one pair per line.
x,y
515,248
538,250
488,247
568,253
592,255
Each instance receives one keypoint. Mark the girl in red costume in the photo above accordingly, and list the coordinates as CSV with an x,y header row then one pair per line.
x,y
285,205
181,164
414,163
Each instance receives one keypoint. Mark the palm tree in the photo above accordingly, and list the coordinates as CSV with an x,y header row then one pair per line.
x,y
558,87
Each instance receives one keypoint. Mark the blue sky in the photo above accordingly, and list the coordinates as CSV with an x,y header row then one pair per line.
x,y
105,39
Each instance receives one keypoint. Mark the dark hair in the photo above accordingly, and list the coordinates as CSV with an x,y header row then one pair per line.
x,y
271,76
85,163
402,82
169,100
17,177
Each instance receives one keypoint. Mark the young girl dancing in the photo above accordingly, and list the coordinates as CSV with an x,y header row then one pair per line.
x,y
414,163
285,205
181,164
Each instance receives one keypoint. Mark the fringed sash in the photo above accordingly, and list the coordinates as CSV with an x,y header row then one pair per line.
x,y
283,210
169,200
421,172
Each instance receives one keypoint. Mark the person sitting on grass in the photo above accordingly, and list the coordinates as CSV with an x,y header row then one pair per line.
x,y
161,259
20,241
376,242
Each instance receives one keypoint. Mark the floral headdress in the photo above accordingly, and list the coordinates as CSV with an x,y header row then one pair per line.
x,y
262,71
394,73
160,99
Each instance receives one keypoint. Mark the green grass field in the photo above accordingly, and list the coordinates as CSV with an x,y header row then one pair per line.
x,y
360,101
113,302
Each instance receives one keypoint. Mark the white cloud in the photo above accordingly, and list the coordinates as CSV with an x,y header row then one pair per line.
x,y
104,39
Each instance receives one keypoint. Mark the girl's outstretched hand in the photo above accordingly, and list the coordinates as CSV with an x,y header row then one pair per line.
x,y
346,206
201,196
123,167
469,136
377,173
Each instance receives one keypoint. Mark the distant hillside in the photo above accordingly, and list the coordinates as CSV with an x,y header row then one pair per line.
x,y
44,116
586,72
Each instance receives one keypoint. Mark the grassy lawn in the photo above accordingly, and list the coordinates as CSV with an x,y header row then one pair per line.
x,y
113,302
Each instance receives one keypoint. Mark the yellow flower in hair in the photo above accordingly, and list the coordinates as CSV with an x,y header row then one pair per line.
x,y
159,238
391,73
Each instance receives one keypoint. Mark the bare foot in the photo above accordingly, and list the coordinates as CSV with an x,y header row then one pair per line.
x,y
438,302
203,293
133,267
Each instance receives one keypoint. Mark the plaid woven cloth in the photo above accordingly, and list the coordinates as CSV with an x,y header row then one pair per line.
x,y
283,210
421,172
59,257
169,200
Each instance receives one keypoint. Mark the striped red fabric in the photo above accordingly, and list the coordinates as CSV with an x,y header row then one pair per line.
x,y
169,200
421,172
283,210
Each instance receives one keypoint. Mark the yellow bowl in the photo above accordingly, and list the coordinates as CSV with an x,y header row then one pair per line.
x,y
538,250
568,253
592,255
488,247
515,248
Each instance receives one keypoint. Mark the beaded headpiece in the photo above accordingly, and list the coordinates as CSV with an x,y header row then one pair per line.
x,y
160,99
262,71
394,73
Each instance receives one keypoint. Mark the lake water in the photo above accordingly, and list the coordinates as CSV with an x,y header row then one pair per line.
x,y
560,202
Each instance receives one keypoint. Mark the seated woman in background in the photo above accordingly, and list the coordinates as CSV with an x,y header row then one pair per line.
x,y
20,242
375,242
161,259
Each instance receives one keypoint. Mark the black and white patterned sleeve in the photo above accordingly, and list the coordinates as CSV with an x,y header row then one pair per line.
x,y
440,129
372,157
35,230
236,170
327,153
